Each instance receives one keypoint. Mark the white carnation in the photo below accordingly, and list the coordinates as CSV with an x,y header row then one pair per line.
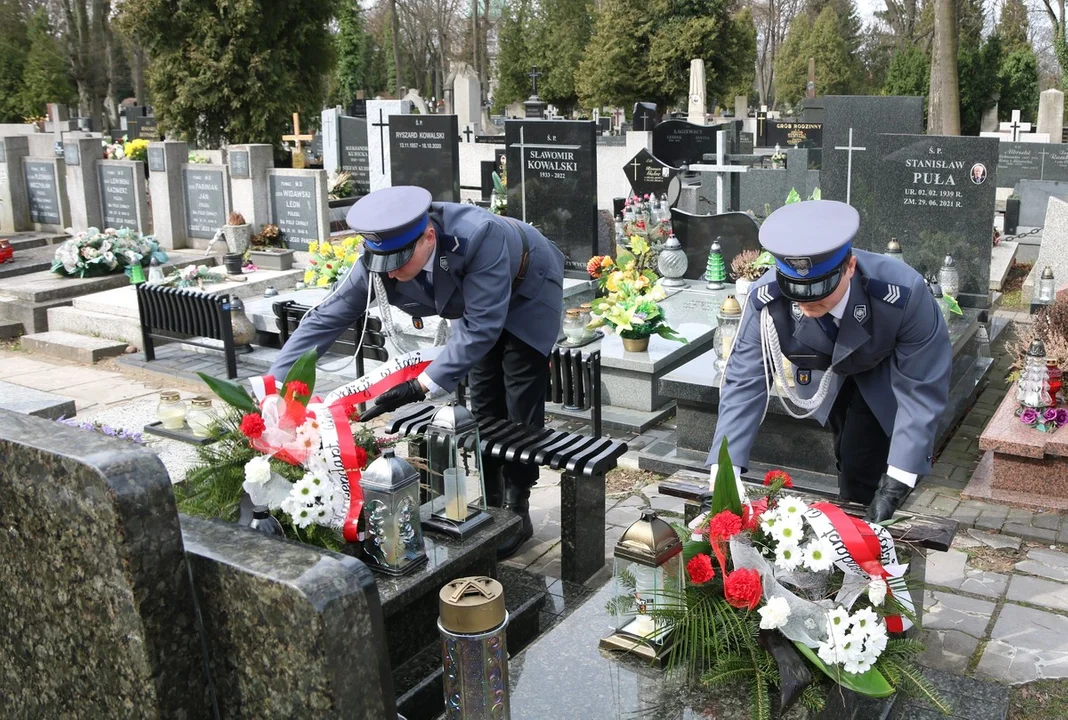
x,y
828,652
774,614
877,591
258,470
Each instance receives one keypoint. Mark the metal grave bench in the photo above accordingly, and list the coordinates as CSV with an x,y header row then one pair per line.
x,y
187,316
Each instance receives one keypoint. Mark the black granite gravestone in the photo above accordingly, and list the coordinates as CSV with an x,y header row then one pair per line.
x,y
746,143
118,197
644,116
42,192
936,195
735,232
239,164
1031,161
205,205
148,128
604,125
357,108
552,181
677,142
315,150
157,160
647,175
794,134
71,154
294,209
424,151
352,132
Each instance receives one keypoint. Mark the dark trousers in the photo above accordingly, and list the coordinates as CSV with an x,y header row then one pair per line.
x,y
509,383
860,445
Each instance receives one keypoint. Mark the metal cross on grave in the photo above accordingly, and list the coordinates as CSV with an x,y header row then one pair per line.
x,y
467,133
534,75
849,164
523,147
1015,127
381,125
720,168
297,139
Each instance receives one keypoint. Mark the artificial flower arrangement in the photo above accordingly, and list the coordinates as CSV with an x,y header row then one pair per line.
x,y
1045,420
269,236
192,276
790,595
329,262
136,150
96,252
630,306
114,150
342,185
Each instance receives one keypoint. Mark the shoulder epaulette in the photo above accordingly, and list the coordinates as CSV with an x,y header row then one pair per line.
x,y
453,244
889,293
761,296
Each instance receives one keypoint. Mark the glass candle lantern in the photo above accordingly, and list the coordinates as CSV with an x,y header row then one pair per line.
x,y
586,313
171,410
648,576
1032,390
949,277
1045,290
200,416
672,263
457,492
1055,377
893,249
394,540
574,326
727,322
155,272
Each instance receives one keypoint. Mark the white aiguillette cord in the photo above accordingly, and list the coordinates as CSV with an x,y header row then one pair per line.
x,y
770,349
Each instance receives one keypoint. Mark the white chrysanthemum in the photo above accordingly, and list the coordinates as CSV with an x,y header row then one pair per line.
x,y
788,556
306,489
829,652
258,470
774,614
788,530
877,591
838,622
864,621
875,643
303,517
857,665
819,555
792,507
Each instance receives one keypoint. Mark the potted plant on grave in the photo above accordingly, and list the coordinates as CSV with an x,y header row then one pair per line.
x,y
631,308
746,268
267,251
778,159
1012,214
238,233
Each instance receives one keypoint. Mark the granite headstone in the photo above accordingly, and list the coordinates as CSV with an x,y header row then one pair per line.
x,y
354,156
735,231
42,192
644,116
552,181
239,169
424,151
1034,199
794,134
677,142
647,175
117,196
1031,161
294,208
205,201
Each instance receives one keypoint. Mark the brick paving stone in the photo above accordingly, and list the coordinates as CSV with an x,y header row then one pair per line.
x,y
941,469
1047,563
1049,521
945,611
998,542
961,474
1038,591
1026,645
988,522
1062,535
945,504
1030,533
991,510
965,515
949,569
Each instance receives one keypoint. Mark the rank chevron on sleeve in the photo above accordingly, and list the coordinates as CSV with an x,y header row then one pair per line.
x,y
893,294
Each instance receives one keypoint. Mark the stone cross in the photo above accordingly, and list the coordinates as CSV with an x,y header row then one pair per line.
x,y
849,164
720,168
534,75
1015,127
297,139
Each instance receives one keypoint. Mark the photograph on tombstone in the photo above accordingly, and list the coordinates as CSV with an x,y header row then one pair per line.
x,y
552,182
424,152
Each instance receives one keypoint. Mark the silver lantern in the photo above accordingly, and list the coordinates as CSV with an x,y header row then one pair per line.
x,y
394,541
949,277
1045,290
672,263
457,489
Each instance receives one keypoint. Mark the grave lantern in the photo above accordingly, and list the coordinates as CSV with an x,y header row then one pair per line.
x,y
893,249
394,541
949,277
1045,290
672,263
727,322
1032,391
171,410
457,489
648,576
715,272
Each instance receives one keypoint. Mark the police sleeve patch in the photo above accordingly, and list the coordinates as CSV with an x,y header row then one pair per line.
x,y
889,293
763,295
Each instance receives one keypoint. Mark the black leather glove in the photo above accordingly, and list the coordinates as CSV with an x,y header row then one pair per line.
x,y
888,498
390,400
706,501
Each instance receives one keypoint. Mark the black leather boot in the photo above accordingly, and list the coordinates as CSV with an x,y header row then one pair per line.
x,y
517,499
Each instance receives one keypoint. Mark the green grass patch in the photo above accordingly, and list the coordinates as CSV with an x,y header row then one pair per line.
x,y
1042,700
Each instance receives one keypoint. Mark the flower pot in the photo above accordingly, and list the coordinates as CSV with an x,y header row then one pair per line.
x,y
233,263
274,259
741,289
1012,215
635,344
237,237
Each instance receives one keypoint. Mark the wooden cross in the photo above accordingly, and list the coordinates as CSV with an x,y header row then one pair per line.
x,y
297,138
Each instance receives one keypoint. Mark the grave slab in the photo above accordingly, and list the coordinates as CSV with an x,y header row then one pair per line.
x,y
1001,258
28,261
1054,248
26,240
10,330
27,401
69,346
1026,645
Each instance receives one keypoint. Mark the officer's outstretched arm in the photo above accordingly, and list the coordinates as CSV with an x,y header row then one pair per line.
x,y
919,377
326,321
487,291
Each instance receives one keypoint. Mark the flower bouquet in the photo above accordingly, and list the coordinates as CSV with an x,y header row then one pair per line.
x,y
136,150
114,150
795,596
96,252
330,262
342,185
1045,419
630,306
192,275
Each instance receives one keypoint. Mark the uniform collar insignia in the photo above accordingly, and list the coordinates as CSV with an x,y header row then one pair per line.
x,y
860,313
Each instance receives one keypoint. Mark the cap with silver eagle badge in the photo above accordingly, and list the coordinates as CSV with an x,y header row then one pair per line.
x,y
811,242
390,221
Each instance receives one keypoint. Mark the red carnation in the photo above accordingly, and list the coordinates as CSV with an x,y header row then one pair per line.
x,y
700,569
773,475
296,387
742,589
361,458
724,526
751,514
252,426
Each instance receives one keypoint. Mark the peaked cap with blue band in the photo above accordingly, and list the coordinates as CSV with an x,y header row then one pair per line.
x,y
390,220
810,241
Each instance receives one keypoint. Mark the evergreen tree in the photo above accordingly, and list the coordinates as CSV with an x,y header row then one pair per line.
x,y
557,53
909,74
1013,27
513,58
234,72
353,47
979,82
835,68
1019,85
14,46
46,78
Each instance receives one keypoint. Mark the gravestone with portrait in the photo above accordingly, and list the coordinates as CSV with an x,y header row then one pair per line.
x,y
552,181
424,152
123,195
206,190
299,206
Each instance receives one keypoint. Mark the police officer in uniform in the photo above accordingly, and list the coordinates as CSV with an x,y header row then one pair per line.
x,y
870,350
499,282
